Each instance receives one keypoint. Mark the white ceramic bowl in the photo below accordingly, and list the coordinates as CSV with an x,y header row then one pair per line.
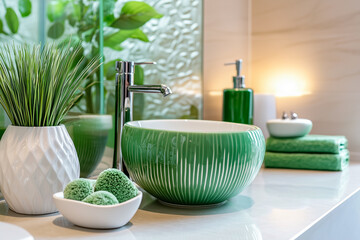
x,y
95,216
289,128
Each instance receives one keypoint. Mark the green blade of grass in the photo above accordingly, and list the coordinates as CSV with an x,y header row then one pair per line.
x,y
39,86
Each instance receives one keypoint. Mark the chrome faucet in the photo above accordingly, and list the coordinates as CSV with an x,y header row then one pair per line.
x,y
124,106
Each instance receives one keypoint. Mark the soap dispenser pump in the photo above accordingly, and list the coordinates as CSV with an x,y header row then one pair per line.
x,y
238,101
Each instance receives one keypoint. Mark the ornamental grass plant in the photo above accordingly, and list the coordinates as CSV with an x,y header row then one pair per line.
x,y
38,86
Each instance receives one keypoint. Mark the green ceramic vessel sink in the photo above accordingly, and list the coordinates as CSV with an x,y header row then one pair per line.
x,y
192,162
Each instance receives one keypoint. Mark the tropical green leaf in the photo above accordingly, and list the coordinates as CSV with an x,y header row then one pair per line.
x,y
88,35
108,9
140,35
135,14
24,7
115,39
138,106
109,69
12,20
56,10
1,26
90,16
194,112
85,27
109,19
117,48
56,30
76,11
139,100
72,20
139,75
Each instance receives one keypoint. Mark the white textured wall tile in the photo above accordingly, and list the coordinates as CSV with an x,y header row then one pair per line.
x,y
176,46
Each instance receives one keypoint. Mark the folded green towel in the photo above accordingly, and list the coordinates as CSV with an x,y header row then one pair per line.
x,y
307,144
314,161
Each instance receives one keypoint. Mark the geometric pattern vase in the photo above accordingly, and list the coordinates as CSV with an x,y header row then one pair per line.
x,y
36,162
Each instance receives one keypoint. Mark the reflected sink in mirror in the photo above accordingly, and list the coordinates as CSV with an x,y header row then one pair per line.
x,y
192,162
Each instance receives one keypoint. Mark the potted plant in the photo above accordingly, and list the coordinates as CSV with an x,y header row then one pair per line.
x,y
81,20
38,86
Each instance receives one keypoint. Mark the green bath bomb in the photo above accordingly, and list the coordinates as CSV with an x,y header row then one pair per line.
x,y
101,198
116,182
78,189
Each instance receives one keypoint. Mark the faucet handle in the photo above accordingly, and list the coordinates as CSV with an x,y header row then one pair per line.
x,y
124,66
142,63
128,66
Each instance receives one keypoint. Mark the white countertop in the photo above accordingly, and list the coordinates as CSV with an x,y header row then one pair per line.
x,y
279,204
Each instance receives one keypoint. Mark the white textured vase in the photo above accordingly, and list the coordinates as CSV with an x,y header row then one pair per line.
x,y
35,163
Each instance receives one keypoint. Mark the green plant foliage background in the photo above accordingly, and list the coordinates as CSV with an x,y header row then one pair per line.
x,y
83,18
79,20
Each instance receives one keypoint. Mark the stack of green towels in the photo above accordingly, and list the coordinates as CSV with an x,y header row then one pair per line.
x,y
316,152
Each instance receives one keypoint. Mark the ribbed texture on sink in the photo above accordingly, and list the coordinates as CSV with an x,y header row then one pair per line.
x,y
192,168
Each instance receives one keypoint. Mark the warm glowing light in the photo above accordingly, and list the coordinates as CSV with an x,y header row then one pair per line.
x,y
215,93
289,85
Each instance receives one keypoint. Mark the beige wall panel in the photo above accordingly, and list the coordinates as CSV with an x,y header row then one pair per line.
x,y
310,48
226,38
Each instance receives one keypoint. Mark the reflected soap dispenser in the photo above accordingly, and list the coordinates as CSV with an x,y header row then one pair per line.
x,y
238,101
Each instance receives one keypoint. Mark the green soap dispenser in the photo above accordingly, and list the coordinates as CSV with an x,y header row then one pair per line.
x,y
238,101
